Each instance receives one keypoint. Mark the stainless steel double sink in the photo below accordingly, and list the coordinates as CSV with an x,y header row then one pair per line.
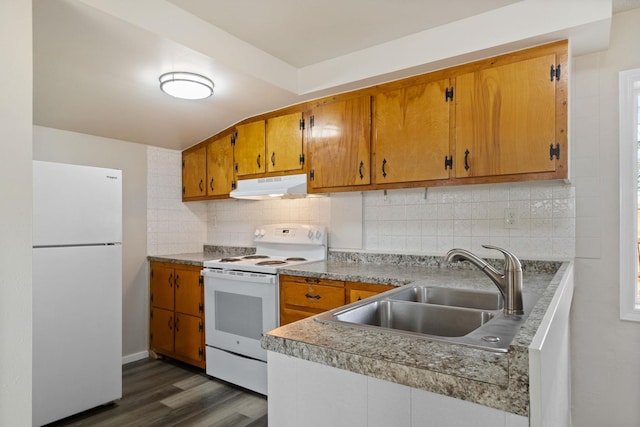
x,y
463,316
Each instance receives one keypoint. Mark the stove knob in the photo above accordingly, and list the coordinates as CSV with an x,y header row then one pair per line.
x,y
318,234
262,232
256,233
310,234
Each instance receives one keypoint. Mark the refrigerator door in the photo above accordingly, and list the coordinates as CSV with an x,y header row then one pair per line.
x,y
77,326
76,205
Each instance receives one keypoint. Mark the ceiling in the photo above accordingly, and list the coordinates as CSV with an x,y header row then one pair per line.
x,y
97,62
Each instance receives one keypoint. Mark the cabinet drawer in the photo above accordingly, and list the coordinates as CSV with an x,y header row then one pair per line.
x,y
318,297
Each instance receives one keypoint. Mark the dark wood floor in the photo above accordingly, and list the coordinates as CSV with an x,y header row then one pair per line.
x,y
165,393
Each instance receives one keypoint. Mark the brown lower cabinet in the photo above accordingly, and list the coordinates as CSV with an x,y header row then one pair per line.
x,y
176,324
302,297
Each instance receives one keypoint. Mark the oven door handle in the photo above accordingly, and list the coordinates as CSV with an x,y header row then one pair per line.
x,y
240,276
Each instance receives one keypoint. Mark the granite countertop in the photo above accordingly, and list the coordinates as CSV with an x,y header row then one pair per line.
x,y
497,380
208,253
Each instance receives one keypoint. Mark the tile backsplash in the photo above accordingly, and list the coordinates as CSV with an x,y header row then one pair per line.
x,y
172,226
411,221
432,222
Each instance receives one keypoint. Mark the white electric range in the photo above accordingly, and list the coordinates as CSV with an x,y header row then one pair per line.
x,y
241,300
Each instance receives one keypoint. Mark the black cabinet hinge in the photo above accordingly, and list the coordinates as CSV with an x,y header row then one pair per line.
x,y
200,280
152,273
200,308
448,94
448,162
311,122
301,124
234,136
236,167
554,73
200,327
152,298
151,314
302,159
312,174
184,190
199,351
182,163
233,185
554,151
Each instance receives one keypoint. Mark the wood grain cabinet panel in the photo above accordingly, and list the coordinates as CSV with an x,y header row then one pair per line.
x,y
161,325
301,297
249,149
220,177
284,143
194,174
411,133
506,119
188,337
176,327
356,291
340,144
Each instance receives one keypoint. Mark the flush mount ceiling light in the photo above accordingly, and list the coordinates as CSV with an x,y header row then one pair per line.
x,y
181,84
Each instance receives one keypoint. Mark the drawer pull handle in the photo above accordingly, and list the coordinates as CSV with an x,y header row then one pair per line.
x,y
315,297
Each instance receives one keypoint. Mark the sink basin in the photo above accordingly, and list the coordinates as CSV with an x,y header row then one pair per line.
x,y
428,319
482,300
461,316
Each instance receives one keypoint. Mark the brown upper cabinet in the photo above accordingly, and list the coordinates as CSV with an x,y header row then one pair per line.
x,y
284,143
506,119
220,179
339,144
194,174
411,133
500,119
249,148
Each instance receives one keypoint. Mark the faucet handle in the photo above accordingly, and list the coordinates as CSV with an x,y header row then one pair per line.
x,y
511,262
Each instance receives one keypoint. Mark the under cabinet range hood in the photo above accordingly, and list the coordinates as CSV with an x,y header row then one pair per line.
x,y
277,187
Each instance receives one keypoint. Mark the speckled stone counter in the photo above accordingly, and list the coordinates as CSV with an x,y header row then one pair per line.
x,y
497,380
198,258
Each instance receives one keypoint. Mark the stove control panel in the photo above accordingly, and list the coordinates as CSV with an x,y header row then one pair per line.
x,y
291,233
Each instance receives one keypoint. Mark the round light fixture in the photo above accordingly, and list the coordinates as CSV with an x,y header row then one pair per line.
x,y
181,84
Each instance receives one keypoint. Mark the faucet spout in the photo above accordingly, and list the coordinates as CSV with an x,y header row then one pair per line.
x,y
509,283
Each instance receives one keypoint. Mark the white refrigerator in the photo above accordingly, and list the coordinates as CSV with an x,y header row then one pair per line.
x,y
77,289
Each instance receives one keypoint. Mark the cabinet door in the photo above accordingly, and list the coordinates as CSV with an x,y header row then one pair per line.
x,y
411,138
249,148
188,296
505,119
194,173
339,148
188,337
284,143
162,281
220,166
356,291
161,324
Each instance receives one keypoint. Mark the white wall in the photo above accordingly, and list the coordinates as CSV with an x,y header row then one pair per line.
x,y
77,148
16,218
605,350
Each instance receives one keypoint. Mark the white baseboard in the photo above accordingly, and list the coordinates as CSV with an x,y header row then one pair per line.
x,y
135,357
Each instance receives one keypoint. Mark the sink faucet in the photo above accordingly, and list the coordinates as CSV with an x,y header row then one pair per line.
x,y
509,283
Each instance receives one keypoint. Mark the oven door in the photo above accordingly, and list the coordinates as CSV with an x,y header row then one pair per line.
x,y
239,307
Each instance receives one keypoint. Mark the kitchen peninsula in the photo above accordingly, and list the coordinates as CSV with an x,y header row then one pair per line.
x,y
349,376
